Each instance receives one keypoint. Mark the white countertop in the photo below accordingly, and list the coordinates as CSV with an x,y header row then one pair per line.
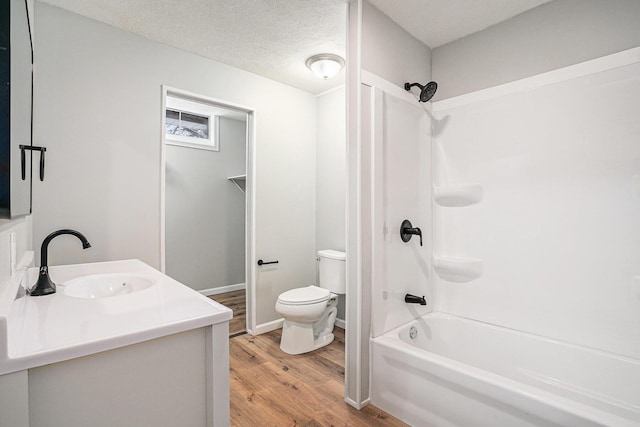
x,y
36,331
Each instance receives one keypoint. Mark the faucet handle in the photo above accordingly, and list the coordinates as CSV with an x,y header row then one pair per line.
x,y
407,231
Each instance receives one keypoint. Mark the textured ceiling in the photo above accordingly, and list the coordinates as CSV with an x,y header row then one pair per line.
x,y
273,38
438,22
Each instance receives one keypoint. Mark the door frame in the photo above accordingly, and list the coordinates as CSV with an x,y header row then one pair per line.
x,y
250,214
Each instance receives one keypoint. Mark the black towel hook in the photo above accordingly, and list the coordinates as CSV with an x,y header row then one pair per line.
x,y
23,161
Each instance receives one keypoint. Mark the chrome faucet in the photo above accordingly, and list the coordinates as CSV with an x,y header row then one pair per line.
x,y
44,285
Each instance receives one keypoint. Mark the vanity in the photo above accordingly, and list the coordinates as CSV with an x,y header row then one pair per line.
x,y
119,343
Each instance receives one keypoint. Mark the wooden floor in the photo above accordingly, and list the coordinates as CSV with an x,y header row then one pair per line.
x,y
272,388
236,301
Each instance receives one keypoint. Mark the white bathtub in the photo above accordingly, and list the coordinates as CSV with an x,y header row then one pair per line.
x,y
460,372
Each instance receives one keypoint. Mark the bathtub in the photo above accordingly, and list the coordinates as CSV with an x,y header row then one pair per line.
x,y
461,372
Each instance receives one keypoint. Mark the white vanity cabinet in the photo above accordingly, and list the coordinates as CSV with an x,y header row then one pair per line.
x,y
157,357
14,399
167,381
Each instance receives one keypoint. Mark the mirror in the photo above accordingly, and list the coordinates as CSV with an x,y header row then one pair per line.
x,y
16,81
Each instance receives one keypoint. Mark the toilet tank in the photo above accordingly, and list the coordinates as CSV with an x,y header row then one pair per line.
x,y
332,270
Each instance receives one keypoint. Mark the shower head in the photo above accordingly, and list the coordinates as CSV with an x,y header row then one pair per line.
x,y
426,92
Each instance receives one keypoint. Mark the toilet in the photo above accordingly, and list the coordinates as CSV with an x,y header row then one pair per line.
x,y
310,312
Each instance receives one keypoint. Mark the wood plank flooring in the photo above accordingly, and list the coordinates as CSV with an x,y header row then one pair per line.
x,y
272,388
236,301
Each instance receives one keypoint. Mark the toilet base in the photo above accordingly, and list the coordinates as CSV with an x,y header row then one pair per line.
x,y
297,338
322,341
303,337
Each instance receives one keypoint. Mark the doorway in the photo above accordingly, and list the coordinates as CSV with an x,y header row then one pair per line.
x,y
206,209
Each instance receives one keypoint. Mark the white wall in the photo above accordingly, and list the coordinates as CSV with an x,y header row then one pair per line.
x,y
330,170
205,212
98,112
551,36
23,230
331,151
30,11
391,52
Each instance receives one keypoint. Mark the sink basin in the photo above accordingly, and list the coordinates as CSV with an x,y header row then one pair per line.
x,y
106,285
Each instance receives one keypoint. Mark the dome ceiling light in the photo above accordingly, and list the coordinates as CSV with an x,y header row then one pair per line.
x,y
325,65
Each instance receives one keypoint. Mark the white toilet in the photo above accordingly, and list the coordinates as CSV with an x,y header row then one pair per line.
x,y
309,313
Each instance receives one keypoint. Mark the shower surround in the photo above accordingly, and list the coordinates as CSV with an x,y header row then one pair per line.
x,y
533,194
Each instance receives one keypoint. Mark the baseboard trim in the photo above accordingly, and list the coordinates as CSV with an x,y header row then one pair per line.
x,y
223,289
358,406
277,324
267,327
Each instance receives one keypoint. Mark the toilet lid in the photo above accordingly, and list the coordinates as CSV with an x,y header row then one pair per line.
x,y
301,296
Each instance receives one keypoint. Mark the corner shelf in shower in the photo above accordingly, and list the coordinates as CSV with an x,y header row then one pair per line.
x,y
240,181
457,195
458,270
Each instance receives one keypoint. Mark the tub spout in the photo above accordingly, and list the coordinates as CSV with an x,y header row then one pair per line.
x,y
412,299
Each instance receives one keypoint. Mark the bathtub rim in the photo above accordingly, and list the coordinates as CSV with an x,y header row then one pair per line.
x,y
449,316
496,386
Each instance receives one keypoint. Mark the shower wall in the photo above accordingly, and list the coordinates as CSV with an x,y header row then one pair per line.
x,y
401,170
537,205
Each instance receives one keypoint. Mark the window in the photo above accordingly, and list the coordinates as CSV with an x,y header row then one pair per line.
x,y
182,123
191,124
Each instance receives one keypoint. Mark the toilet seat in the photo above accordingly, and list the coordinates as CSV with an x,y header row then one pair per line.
x,y
305,296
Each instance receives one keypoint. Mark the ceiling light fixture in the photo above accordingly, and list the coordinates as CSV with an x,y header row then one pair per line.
x,y
325,65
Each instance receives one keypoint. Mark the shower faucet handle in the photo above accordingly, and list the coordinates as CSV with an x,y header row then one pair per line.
x,y
407,231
